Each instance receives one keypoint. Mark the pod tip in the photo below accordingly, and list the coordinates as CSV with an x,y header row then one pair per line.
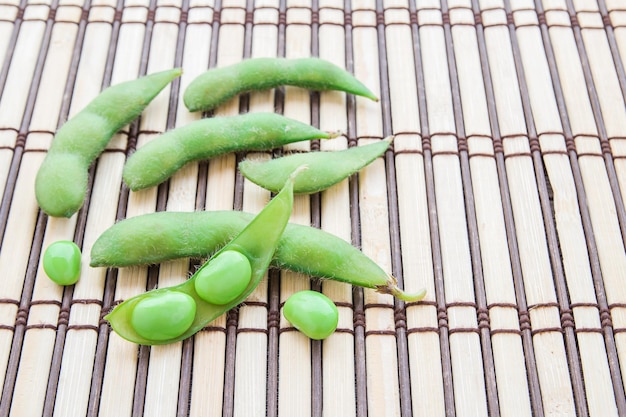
x,y
297,172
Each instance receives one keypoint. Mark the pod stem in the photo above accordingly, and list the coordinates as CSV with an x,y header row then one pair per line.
x,y
392,288
334,134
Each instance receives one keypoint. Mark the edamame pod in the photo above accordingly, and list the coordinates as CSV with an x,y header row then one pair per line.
x,y
257,241
325,168
219,85
160,158
61,182
157,237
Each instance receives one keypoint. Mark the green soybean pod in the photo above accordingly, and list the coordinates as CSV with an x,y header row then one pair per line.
x,y
160,158
325,168
219,85
158,237
312,313
257,241
61,182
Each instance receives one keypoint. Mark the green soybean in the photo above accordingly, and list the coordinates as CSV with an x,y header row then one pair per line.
x,y
325,168
218,85
61,262
312,313
157,237
257,241
224,278
61,182
160,158
163,316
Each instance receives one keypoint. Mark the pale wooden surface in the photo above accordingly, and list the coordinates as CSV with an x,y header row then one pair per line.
x,y
503,195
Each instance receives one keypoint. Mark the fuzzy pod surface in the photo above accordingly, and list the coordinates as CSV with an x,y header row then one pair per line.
x,y
218,85
157,237
61,182
325,168
202,139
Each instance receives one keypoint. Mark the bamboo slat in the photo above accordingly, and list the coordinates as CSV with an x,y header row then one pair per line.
x,y
9,12
338,351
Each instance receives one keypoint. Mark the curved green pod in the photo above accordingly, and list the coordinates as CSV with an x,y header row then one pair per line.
x,y
257,241
219,85
161,236
325,168
202,139
61,182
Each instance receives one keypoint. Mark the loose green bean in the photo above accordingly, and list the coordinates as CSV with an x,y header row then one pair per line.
x,y
218,85
257,241
325,168
160,158
312,313
61,182
161,236
61,262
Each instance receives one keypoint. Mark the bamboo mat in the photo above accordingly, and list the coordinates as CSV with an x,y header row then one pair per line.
x,y
504,195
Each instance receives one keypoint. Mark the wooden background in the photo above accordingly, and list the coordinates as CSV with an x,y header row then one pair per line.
x,y
504,195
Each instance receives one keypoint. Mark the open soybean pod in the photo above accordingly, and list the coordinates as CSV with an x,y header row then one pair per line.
x,y
61,182
219,85
325,168
202,139
257,242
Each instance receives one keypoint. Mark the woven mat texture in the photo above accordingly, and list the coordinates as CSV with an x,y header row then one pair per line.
x,y
503,195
